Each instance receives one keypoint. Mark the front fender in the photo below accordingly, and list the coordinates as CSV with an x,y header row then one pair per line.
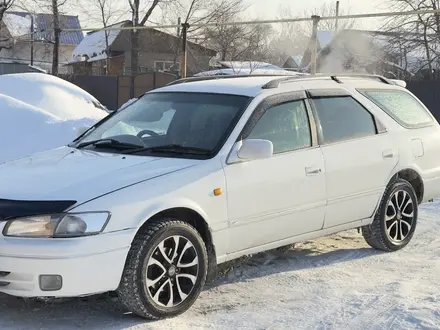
x,y
193,189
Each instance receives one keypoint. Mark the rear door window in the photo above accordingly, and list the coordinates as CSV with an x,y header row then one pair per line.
x,y
342,118
401,106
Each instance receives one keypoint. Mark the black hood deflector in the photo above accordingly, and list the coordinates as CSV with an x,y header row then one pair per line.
x,y
15,208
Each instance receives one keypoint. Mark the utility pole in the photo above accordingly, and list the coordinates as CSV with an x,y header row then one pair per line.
x,y
183,64
337,16
32,39
314,43
179,24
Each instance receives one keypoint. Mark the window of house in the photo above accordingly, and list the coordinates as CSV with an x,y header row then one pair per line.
x,y
342,118
166,66
401,106
286,125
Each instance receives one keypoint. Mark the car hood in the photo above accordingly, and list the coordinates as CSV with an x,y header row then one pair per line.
x,y
80,175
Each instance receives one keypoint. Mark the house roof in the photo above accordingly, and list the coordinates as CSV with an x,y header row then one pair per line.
x,y
94,44
19,25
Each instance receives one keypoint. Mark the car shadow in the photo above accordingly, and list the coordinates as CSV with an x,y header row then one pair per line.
x,y
105,312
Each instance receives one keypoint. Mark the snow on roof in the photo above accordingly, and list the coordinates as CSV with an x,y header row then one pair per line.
x,y
324,37
54,95
17,25
297,59
37,68
99,57
94,44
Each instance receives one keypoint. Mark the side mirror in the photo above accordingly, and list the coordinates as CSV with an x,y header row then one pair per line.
x,y
254,149
81,130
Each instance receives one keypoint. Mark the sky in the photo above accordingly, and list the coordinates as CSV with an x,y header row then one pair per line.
x,y
273,9
267,9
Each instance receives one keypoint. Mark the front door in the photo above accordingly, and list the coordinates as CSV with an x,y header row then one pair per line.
x,y
282,196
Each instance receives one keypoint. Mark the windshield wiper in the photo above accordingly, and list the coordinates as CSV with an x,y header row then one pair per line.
x,y
172,148
112,143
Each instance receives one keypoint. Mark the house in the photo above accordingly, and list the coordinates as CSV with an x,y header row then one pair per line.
x,y
395,55
16,39
293,63
158,51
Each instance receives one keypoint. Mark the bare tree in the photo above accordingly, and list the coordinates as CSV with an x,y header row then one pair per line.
x,y
329,9
57,33
4,6
53,34
141,11
238,42
202,12
106,12
415,32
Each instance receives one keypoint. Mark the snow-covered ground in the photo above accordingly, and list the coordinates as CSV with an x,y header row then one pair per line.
x,y
39,112
335,282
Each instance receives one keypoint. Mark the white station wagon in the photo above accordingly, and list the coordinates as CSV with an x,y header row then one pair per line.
x,y
149,200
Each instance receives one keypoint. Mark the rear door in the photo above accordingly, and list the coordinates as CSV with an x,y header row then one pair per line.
x,y
359,156
421,139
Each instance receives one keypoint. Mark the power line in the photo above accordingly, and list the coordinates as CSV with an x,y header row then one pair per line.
x,y
256,22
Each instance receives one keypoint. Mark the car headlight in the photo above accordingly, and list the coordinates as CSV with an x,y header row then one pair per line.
x,y
63,225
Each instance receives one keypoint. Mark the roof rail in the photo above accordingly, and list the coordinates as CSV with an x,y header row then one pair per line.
x,y
335,77
204,78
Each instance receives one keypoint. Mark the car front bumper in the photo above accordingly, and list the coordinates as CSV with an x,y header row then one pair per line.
x,y
87,265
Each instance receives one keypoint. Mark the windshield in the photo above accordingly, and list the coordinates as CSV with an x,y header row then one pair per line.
x,y
190,121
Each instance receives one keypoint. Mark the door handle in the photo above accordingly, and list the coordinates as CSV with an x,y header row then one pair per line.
x,y
387,154
313,170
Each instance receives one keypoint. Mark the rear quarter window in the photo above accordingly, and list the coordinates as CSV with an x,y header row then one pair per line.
x,y
401,106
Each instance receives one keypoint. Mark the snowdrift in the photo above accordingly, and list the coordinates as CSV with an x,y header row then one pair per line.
x,y
25,129
55,95
40,112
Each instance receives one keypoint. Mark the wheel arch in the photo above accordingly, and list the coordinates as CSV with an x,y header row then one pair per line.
x,y
415,179
412,176
196,220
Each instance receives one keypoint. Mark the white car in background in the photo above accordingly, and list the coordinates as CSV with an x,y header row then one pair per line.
x,y
232,68
220,168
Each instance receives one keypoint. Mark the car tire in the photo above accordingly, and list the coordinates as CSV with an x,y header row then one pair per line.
x,y
165,270
396,218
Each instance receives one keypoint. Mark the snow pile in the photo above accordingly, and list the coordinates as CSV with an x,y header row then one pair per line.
x,y
56,96
39,112
17,25
94,44
25,129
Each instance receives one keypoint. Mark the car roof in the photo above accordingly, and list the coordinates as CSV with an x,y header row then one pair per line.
x,y
253,85
246,86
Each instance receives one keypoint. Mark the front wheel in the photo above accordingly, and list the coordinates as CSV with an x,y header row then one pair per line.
x,y
165,270
396,219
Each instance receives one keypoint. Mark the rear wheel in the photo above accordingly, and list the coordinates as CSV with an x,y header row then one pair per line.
x,y
396,219
165,270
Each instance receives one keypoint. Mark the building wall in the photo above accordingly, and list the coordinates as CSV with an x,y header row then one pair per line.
x,y
165,48
43,54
